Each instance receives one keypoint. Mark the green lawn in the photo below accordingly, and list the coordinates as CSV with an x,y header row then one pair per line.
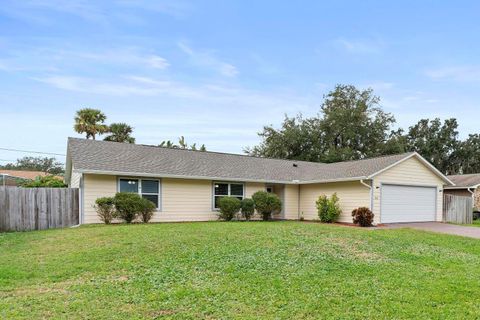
x,y
274,270
476,223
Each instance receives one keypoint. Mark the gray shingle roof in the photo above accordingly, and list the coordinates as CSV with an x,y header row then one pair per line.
x,y
122,158
465,180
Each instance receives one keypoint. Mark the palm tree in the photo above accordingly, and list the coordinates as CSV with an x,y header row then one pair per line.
x,y
167,144
120,132
91,122
182,143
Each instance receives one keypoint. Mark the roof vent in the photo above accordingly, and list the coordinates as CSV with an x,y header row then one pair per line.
x,y
295,165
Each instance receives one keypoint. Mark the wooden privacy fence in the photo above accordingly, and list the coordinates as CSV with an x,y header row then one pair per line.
x,y
38,208
457,209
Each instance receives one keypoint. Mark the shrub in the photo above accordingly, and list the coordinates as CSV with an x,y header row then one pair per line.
x,y
363,217
105,209
248,208
128,205
266,204
229,207
147,210
44,182
328,208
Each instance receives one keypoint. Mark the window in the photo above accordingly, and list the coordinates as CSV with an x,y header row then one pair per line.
x,y
146,188
225,189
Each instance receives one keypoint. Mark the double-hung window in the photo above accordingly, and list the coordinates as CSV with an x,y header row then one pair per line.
x,y
226,189
146,188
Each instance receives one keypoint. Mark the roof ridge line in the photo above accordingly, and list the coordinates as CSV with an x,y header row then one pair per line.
x,y
242,155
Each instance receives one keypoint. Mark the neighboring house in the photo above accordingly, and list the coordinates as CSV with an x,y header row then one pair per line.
x,y
186,185
467,185
13,177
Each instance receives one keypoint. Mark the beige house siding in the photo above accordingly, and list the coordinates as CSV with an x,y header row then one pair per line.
x,y
75,179
252,187
185,200
409,172
96,186
351,194
180,199
290,202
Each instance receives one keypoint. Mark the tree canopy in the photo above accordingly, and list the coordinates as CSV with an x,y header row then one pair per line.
x,y
351,125
120,132
91,122
43,164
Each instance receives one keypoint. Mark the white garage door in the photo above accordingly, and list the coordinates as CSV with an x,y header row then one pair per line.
x,y
407,203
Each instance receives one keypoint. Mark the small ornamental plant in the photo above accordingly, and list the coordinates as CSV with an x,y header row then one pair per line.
x,y
363,217
147,210
229,207
105,209
328,208
248,208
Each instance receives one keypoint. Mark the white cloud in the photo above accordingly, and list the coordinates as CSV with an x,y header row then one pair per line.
x,y
207,59
127,86
49,59
105,12
206,94
360,46
455,73
158,62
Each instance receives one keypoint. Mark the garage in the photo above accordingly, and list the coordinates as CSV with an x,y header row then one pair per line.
x,y
404,203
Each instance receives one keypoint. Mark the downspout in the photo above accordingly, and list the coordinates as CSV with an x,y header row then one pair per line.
x,y
298,204
371,192
473,194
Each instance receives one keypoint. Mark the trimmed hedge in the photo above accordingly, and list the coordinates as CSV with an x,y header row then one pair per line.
x,y
105,209
248,208
229,207
266,203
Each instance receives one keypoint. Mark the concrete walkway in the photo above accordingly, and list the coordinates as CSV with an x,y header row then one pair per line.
x,y
465,231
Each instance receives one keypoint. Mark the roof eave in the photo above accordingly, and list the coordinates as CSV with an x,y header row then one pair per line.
x,y
462,187
173,176
334,180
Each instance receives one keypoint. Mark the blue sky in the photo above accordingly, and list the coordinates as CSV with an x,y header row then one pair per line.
x,y
217,71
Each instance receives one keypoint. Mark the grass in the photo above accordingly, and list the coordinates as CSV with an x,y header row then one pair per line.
x,y
277,270
476,223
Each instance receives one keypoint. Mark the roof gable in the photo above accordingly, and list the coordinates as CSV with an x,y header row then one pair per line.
x,y
422,160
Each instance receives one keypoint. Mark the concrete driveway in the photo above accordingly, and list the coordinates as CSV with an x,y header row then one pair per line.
x,y
465,231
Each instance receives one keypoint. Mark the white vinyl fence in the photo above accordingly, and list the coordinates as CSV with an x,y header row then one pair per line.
x,y
457,209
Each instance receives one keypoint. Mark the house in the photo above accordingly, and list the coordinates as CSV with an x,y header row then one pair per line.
x,y
13,177
467,185
186,185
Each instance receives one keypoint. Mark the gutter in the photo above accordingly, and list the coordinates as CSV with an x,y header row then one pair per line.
x,y
175,176
473,194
